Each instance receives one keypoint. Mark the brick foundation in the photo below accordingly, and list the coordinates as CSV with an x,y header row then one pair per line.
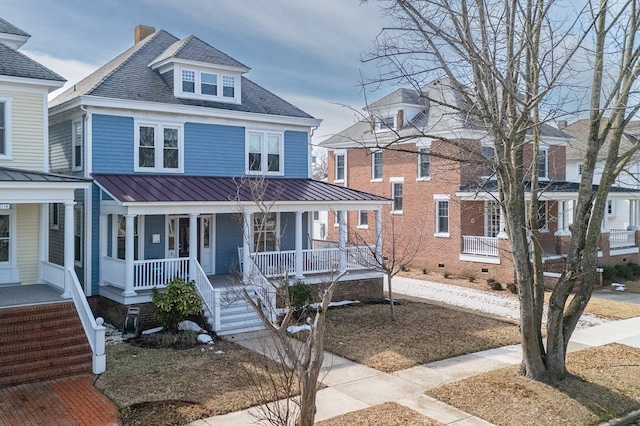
x,y
114,313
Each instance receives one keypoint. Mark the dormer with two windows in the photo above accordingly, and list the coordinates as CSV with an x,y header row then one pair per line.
x,y
196,70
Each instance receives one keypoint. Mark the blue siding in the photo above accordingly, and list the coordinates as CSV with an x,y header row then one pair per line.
x,y
113,144
154,225
212,149
296,154
60,147
228,239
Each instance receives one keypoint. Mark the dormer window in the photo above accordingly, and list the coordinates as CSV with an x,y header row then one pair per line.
x,y
188,81
208,85
228,86
385,123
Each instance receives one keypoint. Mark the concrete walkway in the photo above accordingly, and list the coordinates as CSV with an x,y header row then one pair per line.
x,y
352,386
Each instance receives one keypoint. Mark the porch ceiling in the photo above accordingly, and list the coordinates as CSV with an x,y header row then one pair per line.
x,y
131,189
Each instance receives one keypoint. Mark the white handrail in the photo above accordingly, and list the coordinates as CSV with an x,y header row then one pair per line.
x,y
622,238
93,328
211,296
52,274
484,246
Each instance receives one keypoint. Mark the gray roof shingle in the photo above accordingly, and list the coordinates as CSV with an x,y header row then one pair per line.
x,y
15,64
129,77
194,49
8,28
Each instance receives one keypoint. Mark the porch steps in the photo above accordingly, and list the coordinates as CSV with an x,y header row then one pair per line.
x,y
236,316
41,342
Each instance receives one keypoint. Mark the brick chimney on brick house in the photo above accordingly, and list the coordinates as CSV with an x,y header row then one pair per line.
x,y
141,32
400,119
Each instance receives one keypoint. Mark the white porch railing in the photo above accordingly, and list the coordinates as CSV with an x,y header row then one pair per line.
x,y
621,239
151,273
93,328
480,246
52,274
114,271
323,260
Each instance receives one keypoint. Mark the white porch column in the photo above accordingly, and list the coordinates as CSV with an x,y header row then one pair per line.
x,y
129,255
299,257
563,228
342,241
193,244
68,247
633,217
379,237
104,231
43,238
246,238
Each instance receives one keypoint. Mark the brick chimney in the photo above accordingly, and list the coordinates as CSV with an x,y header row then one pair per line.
x,y
400,119
141,32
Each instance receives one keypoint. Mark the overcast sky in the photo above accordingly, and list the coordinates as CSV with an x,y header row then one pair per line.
x,y
307,52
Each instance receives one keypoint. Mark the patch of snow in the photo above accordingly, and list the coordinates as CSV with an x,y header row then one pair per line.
x,y
334,304
152,330
618,286
293,329
190,325
483,301
112,334
219,352
205,338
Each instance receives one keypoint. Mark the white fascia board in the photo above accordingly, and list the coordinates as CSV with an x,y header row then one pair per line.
x,y
190,111
37,195
210,65
14,41
51,84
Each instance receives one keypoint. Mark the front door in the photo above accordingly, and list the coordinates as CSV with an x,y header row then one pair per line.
x,y
178,240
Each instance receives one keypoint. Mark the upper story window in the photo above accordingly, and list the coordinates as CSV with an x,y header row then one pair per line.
x,y
543,163
385,123
396,196
158,148
201,84
5,127
341,160
424,163
376,165
76,153
264,153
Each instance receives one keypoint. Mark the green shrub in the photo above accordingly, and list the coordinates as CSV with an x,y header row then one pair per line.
x,y
623,271
179,300
635,268
608,273
300,295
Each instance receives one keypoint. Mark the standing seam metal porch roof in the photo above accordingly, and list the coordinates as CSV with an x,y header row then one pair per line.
x,y
145,188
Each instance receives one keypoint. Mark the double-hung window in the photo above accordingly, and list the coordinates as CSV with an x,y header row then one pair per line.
x,y
77,146
265,231
159,148
363,219
188,81
424,163
209,84
442,215
228,86
376,165
264,153
5,127
77,233
396,196
543,163
341,160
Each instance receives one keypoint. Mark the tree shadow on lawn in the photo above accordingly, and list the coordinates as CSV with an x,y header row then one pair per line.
x,y
421,333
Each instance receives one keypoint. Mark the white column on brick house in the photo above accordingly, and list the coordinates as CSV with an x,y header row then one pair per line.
x,y
379,236
193,244
633,214
43,238
68,247
299,257
342,240
503,227
246,239
563,218
129,255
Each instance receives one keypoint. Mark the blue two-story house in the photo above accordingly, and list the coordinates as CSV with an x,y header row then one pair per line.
x,y
196,170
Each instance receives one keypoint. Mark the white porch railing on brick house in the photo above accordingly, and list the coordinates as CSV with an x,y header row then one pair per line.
x,y
621,239
480,246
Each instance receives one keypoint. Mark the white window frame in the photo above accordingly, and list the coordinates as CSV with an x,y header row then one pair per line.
x,y
383,126
543,174
78,232
159,147
396,181
13,237
342,154
423,150
184,71
610,207
8,108
77,136
221,79
374,154
54,216
440,198
254,231
363,224
336,218
264,153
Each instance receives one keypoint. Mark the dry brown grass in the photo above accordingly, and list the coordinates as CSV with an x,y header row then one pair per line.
x,y
605,385
173,387
390,413
632,286
421,333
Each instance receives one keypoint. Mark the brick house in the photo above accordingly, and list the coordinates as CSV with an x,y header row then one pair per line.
x,y
451,205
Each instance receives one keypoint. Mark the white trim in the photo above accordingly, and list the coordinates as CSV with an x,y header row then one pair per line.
x,y
88,243
545,150
9,272
264,152
14,41
360,224
8,119
81,223
51,84
480,259
75,124
171,62
375,152
393,181
420,153
437,198
158,146
336,154
45,134
628,250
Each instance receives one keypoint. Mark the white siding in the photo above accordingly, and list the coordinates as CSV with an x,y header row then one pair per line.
x,y
27,241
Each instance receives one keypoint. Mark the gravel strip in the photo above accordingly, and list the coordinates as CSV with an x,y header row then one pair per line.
x,y
502,306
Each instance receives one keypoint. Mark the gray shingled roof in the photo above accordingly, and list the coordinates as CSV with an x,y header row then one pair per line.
x,y
8,28
181,188
15,64
17,175
579,131
129,77
435,117
194,49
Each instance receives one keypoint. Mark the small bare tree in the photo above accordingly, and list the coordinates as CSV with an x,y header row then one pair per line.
x,y
272,303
